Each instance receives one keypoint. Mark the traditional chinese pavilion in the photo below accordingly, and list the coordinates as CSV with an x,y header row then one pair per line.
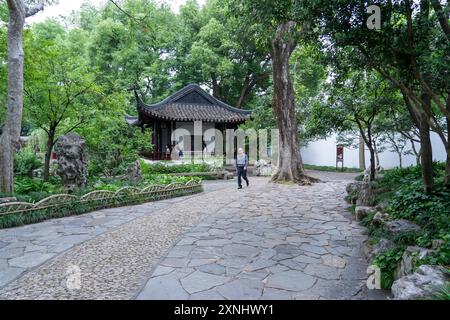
x,y
182,110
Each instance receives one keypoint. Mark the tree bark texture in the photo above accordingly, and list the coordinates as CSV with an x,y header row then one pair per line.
x,y
426,159
10,138
290,166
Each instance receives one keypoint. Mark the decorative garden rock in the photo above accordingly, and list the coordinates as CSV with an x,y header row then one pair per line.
x,y
382,206
365,194
72,161
380,218
263,168
435,244
353,187
426,282
410,257
362,211
381,246
401,225
134,172
353,191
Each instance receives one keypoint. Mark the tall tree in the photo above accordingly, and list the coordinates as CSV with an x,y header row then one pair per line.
x,y
411,50
277,28
217,50
355,101
9,139
61,90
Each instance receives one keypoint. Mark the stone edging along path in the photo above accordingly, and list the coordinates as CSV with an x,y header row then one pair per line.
x,y
277,241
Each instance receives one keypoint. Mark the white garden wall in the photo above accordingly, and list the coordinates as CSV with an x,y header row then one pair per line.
x,y
323,153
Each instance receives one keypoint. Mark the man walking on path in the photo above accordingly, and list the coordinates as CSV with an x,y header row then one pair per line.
x,y
241,166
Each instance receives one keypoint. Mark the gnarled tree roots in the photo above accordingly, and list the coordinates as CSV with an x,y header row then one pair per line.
x,y
299,178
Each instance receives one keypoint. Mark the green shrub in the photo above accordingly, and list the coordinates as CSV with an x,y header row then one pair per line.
x,y
166,179
403,190
161,168
431,212
387,262
441,255
25,161
444,294
26,185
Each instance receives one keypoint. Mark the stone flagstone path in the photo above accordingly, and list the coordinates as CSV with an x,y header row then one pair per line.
x,y
263,242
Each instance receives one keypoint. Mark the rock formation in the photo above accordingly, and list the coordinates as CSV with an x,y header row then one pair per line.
x,y
72,161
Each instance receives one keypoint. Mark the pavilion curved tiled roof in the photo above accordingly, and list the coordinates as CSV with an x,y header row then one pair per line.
x,y
191,103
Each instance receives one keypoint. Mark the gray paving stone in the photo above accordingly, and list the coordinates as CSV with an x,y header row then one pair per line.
x,y
240,250
3,244
8,274
201,281
11,253
175,262
290,280
162,270
314,249
306,259
206,295
180,251
235,262
29,260
200,262
212,269
322,271
213,242
259,264
241,289
276,294
293,264
334,261
163,288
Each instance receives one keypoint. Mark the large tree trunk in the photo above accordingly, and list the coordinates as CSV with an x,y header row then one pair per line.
x,y
48,152
425,155
290,166
10,138
11,130
426,159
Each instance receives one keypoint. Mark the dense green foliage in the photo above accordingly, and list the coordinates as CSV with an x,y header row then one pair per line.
x,y
179,168
402,191
25,162
387,262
